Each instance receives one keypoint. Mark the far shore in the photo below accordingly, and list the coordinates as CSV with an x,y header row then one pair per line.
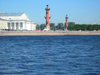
x,y
47,33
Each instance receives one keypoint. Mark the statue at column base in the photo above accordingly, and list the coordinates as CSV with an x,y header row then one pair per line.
x,y
47,28
66,29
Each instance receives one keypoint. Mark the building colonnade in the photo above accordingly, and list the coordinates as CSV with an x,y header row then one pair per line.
x,y
15,25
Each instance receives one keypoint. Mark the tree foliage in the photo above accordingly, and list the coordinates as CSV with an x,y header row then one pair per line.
x,y
37,26
60,26
84,27
71,26
52,26
71,23
41,27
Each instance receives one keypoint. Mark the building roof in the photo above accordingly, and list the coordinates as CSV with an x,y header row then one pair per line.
x,y
10,14
2,19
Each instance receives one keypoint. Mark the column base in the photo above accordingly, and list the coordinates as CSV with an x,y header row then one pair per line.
x,y
66,29
47,28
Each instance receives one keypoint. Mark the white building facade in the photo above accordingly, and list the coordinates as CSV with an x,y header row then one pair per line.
x,y
17,21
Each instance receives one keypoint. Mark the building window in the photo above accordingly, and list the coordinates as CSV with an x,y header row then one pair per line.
x,y
9,26
21,26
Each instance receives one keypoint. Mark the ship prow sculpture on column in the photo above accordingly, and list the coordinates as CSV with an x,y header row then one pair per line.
x,y
47,19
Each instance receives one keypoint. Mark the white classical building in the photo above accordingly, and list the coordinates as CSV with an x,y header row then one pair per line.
x,y
16,21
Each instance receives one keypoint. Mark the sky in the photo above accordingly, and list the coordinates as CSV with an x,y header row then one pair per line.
x,y
78,11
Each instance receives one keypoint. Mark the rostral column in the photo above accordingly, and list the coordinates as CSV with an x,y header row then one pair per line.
x,y
47,19
66,21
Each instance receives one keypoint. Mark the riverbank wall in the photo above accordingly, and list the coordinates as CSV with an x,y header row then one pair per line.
x,y
47,33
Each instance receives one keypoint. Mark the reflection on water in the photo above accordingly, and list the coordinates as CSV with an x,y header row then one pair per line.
x,y
50,55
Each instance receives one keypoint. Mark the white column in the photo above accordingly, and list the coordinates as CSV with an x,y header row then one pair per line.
x,y
7,25
24,25
32,26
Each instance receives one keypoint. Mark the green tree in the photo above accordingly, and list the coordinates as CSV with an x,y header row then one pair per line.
x,y
71,23
84,27
95,27
42,26
70,27
37,26
77,27
90,27
65,26
60,26
99,27
52,26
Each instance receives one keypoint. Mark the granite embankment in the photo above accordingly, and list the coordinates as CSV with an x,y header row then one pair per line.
x,y
47,33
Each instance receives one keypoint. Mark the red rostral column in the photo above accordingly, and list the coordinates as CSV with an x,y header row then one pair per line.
x,y
66,21
47,18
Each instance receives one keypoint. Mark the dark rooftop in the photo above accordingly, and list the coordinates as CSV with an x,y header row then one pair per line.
x,y
10,14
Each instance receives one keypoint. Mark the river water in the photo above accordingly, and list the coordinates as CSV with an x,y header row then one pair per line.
x,y
50,55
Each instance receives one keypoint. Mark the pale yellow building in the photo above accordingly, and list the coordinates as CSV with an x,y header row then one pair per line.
x,y
3,24
16,21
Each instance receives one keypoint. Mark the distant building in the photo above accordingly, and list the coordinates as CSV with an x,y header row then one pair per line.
x,y
95,23
16,21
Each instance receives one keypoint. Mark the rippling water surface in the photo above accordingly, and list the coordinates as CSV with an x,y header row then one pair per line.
x,y
50,55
